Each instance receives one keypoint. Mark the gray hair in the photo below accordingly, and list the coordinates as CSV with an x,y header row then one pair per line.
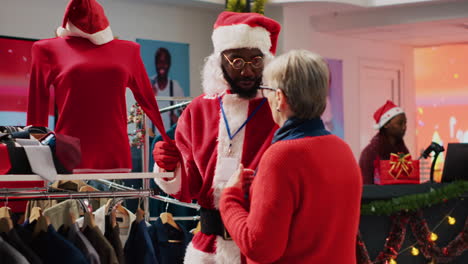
x,y
304,77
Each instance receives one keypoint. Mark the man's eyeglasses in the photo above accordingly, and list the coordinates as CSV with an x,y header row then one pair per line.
x,y
239,63
262,88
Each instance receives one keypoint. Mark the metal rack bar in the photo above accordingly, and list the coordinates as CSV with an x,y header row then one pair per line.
x,y
15,196
172,107
173,98
156,197
88,176
180,218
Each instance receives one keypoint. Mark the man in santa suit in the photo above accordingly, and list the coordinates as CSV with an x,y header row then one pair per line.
x,y
230,123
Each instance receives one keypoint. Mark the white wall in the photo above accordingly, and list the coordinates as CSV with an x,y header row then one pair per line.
x,y
129,20
135,19
299,33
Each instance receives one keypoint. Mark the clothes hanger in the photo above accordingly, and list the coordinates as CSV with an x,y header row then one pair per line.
x,y
5,210
36,212
196,229
167,218
113,208
42,223
6,224
88,220
41,226
140,214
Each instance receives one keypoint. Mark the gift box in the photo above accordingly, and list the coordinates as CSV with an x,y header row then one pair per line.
x,y
400,169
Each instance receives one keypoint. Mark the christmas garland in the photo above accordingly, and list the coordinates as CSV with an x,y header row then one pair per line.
x,y
429,248
415,201
423,236
392,243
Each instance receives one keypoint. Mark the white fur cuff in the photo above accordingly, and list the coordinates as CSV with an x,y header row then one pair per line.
x,y
171,186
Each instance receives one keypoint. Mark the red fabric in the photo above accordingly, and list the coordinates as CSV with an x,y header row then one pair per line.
x,y
5,164
305,204
204,243
228,18
87,15
382,110
90,82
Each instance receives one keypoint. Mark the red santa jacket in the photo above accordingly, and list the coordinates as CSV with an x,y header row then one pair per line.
x,y
203,141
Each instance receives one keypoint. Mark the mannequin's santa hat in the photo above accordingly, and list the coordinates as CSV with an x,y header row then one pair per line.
x,y
86,19
245,30
385,113
234,31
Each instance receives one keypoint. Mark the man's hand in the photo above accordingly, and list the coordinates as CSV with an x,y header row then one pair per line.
x,y
166,155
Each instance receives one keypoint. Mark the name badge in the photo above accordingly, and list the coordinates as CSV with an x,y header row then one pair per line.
x,y
228,166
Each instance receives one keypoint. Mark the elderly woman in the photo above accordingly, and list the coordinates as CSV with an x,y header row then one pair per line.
x,y
303,205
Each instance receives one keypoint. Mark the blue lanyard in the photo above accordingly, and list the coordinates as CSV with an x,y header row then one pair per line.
x,y
231,136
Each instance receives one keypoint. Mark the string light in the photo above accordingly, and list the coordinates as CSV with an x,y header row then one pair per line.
x,y
392,261
433,236
451,220
414,251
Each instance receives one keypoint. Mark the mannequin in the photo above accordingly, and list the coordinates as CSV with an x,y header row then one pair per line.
x,y
90,71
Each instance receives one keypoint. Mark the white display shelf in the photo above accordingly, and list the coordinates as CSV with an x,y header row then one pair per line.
x,y
88,176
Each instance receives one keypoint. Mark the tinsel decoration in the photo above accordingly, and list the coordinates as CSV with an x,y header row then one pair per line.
x,y
362,255
395,238
392,243
136,116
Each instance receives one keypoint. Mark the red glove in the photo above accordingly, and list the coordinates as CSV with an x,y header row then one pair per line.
x,y
166,155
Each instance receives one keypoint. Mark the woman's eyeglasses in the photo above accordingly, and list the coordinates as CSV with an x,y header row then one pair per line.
x,y
262,88
239,63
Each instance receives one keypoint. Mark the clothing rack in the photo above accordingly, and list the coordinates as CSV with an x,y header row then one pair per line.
x,y
11,195
111,184
88,176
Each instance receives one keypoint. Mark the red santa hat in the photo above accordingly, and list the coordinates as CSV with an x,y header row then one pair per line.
x,y
86,19
385,113
245,30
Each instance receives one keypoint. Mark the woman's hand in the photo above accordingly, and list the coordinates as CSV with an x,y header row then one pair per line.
x,y
242,179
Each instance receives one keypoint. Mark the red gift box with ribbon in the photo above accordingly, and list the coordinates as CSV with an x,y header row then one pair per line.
x,y
400,169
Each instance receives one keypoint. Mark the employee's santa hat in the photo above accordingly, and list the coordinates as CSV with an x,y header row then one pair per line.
x,y
234,30
385,113
86,19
